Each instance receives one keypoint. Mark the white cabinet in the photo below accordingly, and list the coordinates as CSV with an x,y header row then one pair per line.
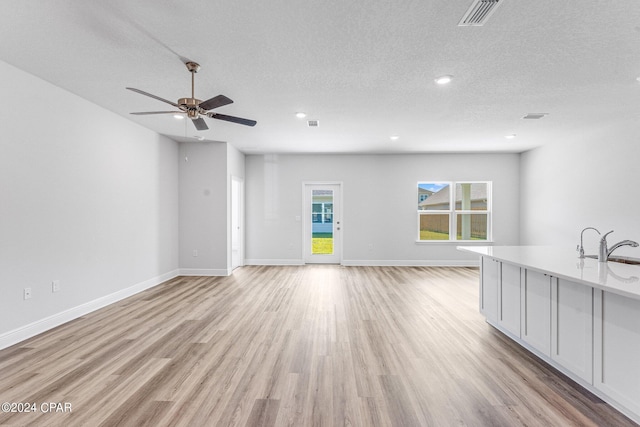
x,y
572,327
617,348
576,325
489,289
536,311
509,298
500,294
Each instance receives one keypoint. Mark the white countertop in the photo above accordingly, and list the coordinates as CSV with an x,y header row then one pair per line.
x,y
622,279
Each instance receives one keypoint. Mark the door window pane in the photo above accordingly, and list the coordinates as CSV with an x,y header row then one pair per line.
x,y
316,212
322,222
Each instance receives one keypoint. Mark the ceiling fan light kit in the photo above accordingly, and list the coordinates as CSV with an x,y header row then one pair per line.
x,y
195,108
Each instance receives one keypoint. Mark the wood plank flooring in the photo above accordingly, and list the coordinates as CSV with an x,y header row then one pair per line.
x,y
294,346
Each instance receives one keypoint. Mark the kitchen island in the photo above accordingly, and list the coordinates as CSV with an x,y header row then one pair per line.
x,y
579,315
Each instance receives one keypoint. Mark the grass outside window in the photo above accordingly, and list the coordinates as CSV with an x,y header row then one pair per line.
x,y
322,243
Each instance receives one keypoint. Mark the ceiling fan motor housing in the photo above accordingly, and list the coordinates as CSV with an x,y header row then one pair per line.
x,y
190,105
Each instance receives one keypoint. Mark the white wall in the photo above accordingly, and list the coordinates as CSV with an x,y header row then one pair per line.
x,y
567,186
379,212
203,208
86,197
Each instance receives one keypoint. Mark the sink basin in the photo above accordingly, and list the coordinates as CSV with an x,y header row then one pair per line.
x,y
625,260
620,259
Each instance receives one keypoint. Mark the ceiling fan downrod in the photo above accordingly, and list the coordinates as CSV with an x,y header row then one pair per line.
x,y
193,68
191,104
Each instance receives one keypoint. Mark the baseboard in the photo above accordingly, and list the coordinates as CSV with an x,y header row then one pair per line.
x,y
205,272
273,262
374,263
410,263
17,335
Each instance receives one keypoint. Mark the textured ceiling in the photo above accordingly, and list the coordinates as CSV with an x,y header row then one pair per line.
x,y
365,70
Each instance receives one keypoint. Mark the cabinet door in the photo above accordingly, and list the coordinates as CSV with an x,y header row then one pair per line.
x,y
509,299
571,327
617,348
489,289
536,311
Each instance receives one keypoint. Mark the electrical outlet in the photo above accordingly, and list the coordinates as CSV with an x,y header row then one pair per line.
x,y
55,286
195,252
27,293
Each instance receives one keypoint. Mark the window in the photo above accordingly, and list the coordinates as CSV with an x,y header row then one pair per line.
x,y
322,213
463,214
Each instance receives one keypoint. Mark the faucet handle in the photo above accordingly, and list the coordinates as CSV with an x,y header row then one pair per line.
x,y
604,236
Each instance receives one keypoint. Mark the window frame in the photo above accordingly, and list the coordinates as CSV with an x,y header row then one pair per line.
x,y
454,213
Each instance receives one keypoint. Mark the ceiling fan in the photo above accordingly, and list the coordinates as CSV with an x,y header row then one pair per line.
x,y
195,108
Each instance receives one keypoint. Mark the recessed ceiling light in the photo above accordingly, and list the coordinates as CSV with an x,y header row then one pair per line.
x,y
513,135
178,116
535,116
301,115
638,79
443,80
394,137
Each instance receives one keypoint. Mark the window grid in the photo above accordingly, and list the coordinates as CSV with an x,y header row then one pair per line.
x,y
455,224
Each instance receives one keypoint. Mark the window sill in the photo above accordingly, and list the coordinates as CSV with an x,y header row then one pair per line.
x,y
455,242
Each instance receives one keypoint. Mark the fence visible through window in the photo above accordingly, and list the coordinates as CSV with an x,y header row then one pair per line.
x,y
464,214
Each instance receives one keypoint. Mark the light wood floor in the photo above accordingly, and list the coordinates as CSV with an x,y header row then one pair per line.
x,y
294,346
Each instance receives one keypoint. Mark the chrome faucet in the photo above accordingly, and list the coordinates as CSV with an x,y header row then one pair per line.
x,y
622,243
581,248
604,252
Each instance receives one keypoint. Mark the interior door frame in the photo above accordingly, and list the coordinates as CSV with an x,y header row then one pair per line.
x,y
338,224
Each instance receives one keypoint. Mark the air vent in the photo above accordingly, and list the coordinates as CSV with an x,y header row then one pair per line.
x,y
313,123
479,12
535,116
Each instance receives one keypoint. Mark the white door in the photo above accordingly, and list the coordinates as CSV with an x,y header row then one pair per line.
x,y
236,222
322,223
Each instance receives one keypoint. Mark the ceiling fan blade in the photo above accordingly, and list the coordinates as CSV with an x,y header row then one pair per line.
x,y
157,112
153,96
215,102
200,124
232,119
